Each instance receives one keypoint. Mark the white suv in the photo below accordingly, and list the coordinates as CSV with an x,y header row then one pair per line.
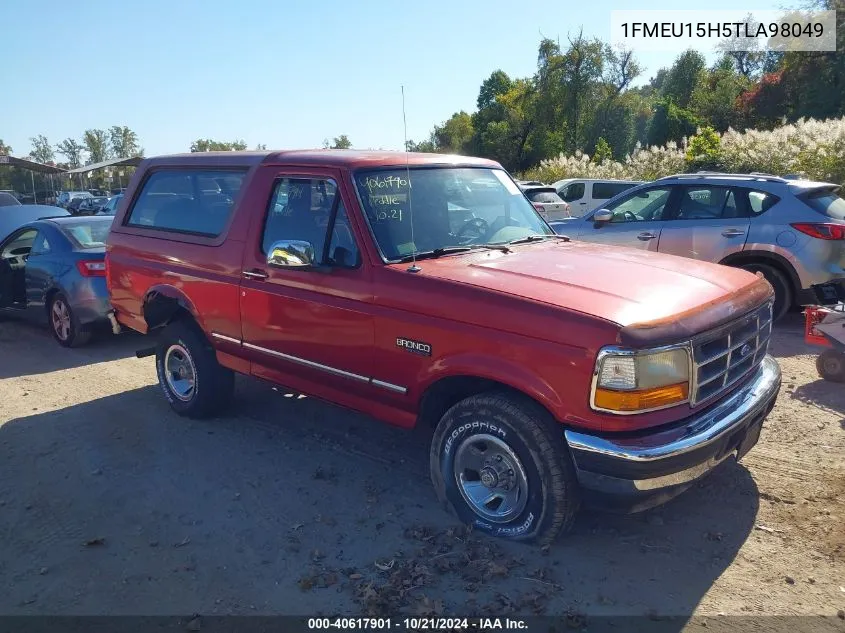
x,y
585,194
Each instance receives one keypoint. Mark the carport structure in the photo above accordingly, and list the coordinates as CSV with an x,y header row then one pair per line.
x,y
32,167
107,165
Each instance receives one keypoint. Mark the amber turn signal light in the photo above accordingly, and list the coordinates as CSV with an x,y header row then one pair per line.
x,y
642,399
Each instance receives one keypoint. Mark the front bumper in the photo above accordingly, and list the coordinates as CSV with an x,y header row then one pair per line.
x,y
641,470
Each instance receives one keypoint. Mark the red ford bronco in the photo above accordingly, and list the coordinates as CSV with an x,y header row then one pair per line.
x,y
426,289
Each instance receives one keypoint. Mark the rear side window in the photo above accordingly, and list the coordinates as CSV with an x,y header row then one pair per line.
x,y
544,195
606,190
707,203
195,201
827,202
761,201
573,191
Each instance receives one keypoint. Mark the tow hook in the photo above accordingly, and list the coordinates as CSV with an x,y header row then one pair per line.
x,y
115,326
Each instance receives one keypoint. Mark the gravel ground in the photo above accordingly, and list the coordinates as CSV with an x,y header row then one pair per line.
x,y
111,504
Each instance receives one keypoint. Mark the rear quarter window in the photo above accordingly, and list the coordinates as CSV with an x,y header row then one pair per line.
x,y
197,201
760,201
827,202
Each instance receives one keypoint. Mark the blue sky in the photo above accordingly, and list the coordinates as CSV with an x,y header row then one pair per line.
x,y
285,73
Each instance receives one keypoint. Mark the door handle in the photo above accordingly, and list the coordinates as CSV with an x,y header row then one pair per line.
x,y
255,274
732,232
646,236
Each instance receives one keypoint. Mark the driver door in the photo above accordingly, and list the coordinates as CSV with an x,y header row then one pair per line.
x,y
637,220
13,255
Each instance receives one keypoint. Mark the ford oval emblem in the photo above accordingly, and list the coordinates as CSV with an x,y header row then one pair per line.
x,y
745,350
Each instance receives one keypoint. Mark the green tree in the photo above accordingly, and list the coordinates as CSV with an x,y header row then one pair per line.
x,y
96,144
423,146
207,145
124,142
716,94
72,150
602,152
455,134
704,150
5,150
261,147
42,151
498,83
339,142
670,123
682,78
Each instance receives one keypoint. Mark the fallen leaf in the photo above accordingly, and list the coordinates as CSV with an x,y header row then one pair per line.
x,y
183,542
386,566
355,576
297,526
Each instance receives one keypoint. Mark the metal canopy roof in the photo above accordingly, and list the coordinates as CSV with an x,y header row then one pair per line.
x,y
116,162
11,161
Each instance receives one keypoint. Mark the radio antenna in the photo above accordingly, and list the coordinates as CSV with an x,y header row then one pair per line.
x,y
413,268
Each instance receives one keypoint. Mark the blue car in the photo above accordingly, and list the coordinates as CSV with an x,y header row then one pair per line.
x,y
54,269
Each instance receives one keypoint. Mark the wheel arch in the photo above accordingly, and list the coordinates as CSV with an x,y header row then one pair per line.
x,y
445,391
774,260
164,304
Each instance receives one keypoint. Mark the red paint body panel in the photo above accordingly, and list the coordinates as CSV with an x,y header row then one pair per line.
x,y
533,319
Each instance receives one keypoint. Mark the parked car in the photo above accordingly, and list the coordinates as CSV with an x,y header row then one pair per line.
x,y
66,196
111,206
99,193
75,203
53,270
397,285
8,200
791,231
92,206
585,195
547,202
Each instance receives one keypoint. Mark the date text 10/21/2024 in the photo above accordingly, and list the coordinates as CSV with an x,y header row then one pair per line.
x,y
419,624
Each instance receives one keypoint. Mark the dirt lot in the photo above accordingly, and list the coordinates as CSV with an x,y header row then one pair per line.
x,y
111,504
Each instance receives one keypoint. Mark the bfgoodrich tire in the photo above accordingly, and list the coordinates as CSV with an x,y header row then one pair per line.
x,y
499,462
192,380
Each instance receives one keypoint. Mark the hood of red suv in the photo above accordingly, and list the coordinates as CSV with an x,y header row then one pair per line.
x,y
622,285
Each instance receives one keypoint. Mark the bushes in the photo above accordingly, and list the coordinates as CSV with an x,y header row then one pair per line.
x,y
814,148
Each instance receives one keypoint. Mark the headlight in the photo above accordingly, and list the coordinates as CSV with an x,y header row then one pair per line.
x,y
632,382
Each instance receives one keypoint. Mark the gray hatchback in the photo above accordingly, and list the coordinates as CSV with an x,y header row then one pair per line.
x,y
791,231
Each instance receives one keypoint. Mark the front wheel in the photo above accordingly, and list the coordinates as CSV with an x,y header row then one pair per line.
x,y
192,380
780,284
500,463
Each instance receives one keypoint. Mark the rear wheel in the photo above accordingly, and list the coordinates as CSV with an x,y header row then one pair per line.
x,y
831,365
192,380
780,284
499,462
64,325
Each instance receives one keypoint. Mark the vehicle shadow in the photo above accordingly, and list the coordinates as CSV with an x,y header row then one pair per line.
x,y
118,506
21,342
828,396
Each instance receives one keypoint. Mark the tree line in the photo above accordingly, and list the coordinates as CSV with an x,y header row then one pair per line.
x,y
581,99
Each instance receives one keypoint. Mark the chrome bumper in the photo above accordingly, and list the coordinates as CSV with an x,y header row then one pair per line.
x,y
650,468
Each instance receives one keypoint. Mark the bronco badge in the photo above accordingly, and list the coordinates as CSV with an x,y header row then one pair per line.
x,y
415,347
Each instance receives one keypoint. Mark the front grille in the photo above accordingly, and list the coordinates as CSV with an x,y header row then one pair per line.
x,y
723,356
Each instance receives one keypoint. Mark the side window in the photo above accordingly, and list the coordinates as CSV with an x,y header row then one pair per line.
x,y
195,201
707,203
20,245
301,209
643,206
41,246
606,190
573,191
759,201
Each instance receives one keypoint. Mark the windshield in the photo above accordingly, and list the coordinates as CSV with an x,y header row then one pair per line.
x,y
451,206
88,234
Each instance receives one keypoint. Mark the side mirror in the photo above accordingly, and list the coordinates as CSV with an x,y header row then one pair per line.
x,y
291,254
602,216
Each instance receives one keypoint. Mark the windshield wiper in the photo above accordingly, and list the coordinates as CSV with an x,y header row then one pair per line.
x,y
538,238
451,250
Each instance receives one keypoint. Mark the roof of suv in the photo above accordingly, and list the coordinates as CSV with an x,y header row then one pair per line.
x,y
351,159
715,177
